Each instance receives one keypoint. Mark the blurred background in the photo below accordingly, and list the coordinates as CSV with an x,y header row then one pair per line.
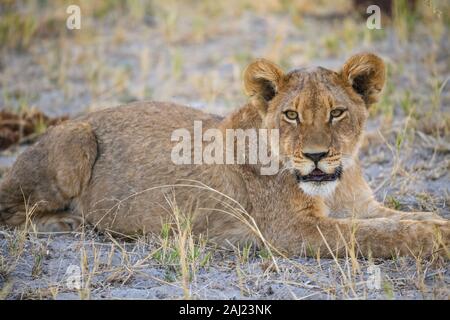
x,y
193,52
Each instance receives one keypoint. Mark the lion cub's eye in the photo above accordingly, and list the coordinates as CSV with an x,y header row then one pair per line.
x,y
336,113
291,115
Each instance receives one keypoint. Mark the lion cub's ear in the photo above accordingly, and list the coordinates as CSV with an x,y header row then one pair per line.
x,y
366,73
262,79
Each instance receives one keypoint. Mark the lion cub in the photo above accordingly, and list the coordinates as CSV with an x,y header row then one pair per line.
x,y
114,170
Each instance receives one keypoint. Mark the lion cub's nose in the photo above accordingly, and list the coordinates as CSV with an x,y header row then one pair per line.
x,y
316,157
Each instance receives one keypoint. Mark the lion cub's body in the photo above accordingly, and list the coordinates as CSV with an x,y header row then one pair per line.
x,y
113,168
136,160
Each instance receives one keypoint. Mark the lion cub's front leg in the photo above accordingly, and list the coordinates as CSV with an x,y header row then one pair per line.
x,y
310,228
379,237
354,198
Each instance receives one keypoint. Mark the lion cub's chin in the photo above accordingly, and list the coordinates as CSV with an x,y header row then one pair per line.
x,y
322,189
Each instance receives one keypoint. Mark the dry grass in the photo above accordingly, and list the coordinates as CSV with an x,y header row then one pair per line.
x,y
179,260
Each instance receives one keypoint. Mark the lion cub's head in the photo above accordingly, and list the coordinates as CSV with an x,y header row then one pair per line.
x,y
320,114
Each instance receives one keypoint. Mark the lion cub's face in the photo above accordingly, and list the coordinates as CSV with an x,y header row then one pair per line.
x,y
320,115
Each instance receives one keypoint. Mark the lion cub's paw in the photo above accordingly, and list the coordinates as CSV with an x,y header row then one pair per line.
x,y
65,222
438,231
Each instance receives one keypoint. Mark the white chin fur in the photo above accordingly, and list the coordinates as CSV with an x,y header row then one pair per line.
x,y
322,189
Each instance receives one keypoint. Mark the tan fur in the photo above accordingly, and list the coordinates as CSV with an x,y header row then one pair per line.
x,y
113,168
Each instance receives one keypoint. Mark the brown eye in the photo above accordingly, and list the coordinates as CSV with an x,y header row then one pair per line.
x,y
336,113
291,115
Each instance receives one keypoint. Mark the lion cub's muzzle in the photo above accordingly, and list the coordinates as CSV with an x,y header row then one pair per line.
x,y
318,167
318,175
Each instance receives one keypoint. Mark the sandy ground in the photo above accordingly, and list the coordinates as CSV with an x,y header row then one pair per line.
x,y
197,59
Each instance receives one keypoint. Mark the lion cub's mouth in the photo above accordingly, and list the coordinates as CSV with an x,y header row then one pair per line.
x,y
318,175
